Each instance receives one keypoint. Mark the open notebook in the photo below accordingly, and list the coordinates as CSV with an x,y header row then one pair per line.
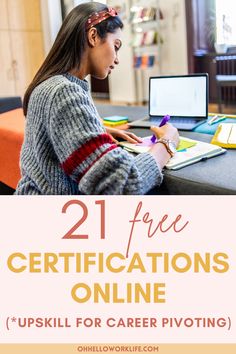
x,y
225,135
188,152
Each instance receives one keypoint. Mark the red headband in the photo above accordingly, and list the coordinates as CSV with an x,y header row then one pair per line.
x,y
100,16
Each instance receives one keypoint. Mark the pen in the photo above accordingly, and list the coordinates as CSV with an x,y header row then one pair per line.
x,y
164,120
216,119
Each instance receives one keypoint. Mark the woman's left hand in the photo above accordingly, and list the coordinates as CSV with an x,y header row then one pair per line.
x,y
117,133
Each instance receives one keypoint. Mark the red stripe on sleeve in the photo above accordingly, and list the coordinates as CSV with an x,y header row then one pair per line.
x,y
79,155
112,147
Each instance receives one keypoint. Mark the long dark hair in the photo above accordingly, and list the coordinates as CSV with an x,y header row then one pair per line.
x,y
70,43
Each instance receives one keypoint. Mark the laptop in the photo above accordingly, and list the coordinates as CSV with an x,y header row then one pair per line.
x,y
183,97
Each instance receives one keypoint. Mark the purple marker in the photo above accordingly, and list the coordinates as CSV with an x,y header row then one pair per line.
x,y
164,120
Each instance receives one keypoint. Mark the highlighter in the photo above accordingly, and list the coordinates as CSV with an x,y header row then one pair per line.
x,y
164,120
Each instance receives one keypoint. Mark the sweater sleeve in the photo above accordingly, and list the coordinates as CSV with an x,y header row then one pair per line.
x,y
87,153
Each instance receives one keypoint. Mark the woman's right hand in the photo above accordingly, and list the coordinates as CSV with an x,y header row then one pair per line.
x,y
167,131
159,151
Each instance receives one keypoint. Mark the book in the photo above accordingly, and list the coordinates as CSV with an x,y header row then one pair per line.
x,y
225,136
114,121
114,124
150,37
188,152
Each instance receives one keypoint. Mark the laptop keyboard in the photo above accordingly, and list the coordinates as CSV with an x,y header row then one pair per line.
x,y
174,120
178,122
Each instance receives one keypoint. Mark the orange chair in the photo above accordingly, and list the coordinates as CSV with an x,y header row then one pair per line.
x,y
12,125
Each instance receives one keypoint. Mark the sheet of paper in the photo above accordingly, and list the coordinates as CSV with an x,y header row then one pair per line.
x,y
146,142
224,133
232,137
183,144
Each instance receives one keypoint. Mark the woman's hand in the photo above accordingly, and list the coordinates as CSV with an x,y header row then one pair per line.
x,y
117,133
167,131
159,151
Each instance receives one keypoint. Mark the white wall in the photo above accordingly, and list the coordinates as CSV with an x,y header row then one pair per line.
x,y
174,49
51,21
122,79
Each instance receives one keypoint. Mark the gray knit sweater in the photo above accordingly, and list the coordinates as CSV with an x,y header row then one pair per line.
x,y
66,149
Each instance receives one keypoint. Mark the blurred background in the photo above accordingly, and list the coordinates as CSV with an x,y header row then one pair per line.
x,y
160,37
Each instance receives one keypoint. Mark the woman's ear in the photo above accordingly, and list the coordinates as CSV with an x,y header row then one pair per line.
x,y
93,37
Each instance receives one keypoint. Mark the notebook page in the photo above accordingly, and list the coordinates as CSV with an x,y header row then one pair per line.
x,y
201,149
232,137
224,133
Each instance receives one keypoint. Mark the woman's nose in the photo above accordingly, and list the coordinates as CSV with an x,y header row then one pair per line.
x,y
116,61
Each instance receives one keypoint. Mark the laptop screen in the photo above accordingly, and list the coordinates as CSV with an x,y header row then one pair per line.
x,y
181,96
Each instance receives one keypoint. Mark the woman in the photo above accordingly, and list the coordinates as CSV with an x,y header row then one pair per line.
x,y
66,149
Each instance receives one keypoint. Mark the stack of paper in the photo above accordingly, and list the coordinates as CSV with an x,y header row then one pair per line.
x,y
114,121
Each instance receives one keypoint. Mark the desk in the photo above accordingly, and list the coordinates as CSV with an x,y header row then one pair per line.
x,y
213,176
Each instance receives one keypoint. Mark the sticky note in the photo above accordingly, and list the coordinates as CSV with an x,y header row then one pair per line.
x,y
185,144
